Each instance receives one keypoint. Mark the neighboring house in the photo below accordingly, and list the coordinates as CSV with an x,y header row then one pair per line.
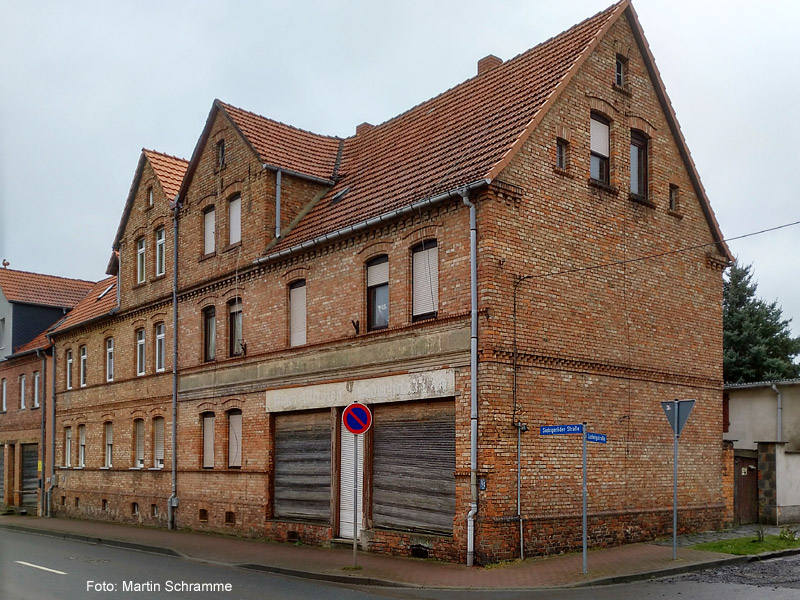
x,y
472,269
29,303
762,420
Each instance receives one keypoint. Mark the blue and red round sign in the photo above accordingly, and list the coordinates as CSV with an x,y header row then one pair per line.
x,y
357,418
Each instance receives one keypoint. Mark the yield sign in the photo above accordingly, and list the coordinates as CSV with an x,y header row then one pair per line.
x,y
677,413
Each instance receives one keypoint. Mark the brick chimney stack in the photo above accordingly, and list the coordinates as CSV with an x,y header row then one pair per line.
x,y
487,63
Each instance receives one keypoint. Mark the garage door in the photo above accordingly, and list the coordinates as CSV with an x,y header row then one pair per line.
x,y
414,459
30,475
303,466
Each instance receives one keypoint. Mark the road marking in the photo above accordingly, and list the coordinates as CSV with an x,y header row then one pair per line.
x,y
27,564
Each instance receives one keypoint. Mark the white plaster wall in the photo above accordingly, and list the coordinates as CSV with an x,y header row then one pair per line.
x,y
788,476
753,417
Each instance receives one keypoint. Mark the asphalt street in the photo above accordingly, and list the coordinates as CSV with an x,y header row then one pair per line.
x,y
34,567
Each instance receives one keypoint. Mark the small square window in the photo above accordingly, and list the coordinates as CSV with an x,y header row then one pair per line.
x,y
230,518
154,510
134,508
203,516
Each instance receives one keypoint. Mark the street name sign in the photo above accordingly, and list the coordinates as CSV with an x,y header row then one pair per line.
x,y
560,429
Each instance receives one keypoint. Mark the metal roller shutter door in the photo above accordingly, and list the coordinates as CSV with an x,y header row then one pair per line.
x,y
30,476
303,466
414,459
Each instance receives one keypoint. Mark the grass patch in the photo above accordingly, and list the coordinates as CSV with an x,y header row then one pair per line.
x,y
749,545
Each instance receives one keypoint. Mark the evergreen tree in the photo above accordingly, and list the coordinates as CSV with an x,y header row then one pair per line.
x,y
757,341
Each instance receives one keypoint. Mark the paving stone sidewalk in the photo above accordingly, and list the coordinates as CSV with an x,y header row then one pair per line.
x,y
610,565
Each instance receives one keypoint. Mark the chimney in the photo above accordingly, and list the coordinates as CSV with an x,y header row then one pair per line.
x,y
363,128
487,63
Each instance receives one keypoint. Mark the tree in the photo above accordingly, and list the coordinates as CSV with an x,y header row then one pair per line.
x,y
757,341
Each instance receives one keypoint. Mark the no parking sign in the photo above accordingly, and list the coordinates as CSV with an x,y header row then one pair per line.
x,y
357,418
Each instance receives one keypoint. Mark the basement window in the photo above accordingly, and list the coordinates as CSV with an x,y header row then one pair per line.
x,y
230,518
203,516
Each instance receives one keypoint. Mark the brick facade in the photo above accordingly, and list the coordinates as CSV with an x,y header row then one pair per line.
x,y
600,337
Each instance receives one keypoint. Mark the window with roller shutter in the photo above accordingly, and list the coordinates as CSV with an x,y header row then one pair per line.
x,y
138,441
425,280
297,313
208,440
158,442
234,438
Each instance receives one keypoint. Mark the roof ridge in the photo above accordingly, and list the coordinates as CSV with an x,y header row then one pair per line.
x,y
48,275
300,129
151,151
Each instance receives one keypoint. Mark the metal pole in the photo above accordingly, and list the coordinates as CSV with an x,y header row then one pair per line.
x,y
519,486
675,491
355,500
585,570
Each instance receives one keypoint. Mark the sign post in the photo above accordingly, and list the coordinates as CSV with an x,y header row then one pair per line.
x,y
357,419
586,436
677,413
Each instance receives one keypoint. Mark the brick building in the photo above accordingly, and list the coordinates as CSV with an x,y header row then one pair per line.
x,y
531,247
29,303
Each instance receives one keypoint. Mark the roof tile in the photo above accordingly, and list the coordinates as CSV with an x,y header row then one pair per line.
x,y
99,301
169,170
43,290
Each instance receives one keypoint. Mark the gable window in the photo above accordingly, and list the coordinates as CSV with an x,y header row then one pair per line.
x,y
83,366
138,443
160,339
150,196
81,445
36,384
621,72
561,154
3,395
208,440
425,280
235,339
109,435
234,438
110,359
209,231
221,153
140,352
378,293
235,220
674,204
209,333
297,313
67,446
161,247
638,164
599,164
69,369
22,391
158,442
140,260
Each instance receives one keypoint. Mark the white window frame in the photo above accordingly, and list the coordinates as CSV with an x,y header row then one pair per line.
x,y
108,432
160,347
425,280
36,383
140,260
83,360
67,446
377,279
235,220
22,392
161,251
298,313
158,442
150,196
209,231
141,358
69,369
600,142
138,443
110,359
81,446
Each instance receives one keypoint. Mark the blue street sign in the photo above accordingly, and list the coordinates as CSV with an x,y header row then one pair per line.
x,y
600,438
560,429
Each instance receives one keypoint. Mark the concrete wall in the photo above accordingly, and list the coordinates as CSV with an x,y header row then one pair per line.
x,y
753,416
788,474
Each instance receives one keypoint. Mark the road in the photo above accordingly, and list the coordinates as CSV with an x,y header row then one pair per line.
x,y
34,567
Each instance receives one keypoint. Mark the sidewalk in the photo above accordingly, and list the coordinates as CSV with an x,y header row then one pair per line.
x,y
611,565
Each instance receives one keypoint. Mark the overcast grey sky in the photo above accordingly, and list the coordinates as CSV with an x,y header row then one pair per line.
x,y
84,85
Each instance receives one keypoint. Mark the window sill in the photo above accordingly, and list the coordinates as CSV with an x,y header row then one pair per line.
x,y
139,284
563,172
425,317
207,256
77,468
105,468
35,407
158,277
602,185
155,469
147,208
65,467
675,213
135,468
641,200
230,247
622,89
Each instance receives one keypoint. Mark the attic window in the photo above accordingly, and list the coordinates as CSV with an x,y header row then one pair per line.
x,y
221,153
150,196
621,75
339,195
105,291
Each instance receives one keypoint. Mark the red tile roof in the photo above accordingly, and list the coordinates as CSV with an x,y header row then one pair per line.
x,y
280,145
40,342
459,137
43,290
169,170
100,300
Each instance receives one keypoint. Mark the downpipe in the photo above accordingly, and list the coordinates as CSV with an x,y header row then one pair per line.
x,y
473,364
779,416
172,502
